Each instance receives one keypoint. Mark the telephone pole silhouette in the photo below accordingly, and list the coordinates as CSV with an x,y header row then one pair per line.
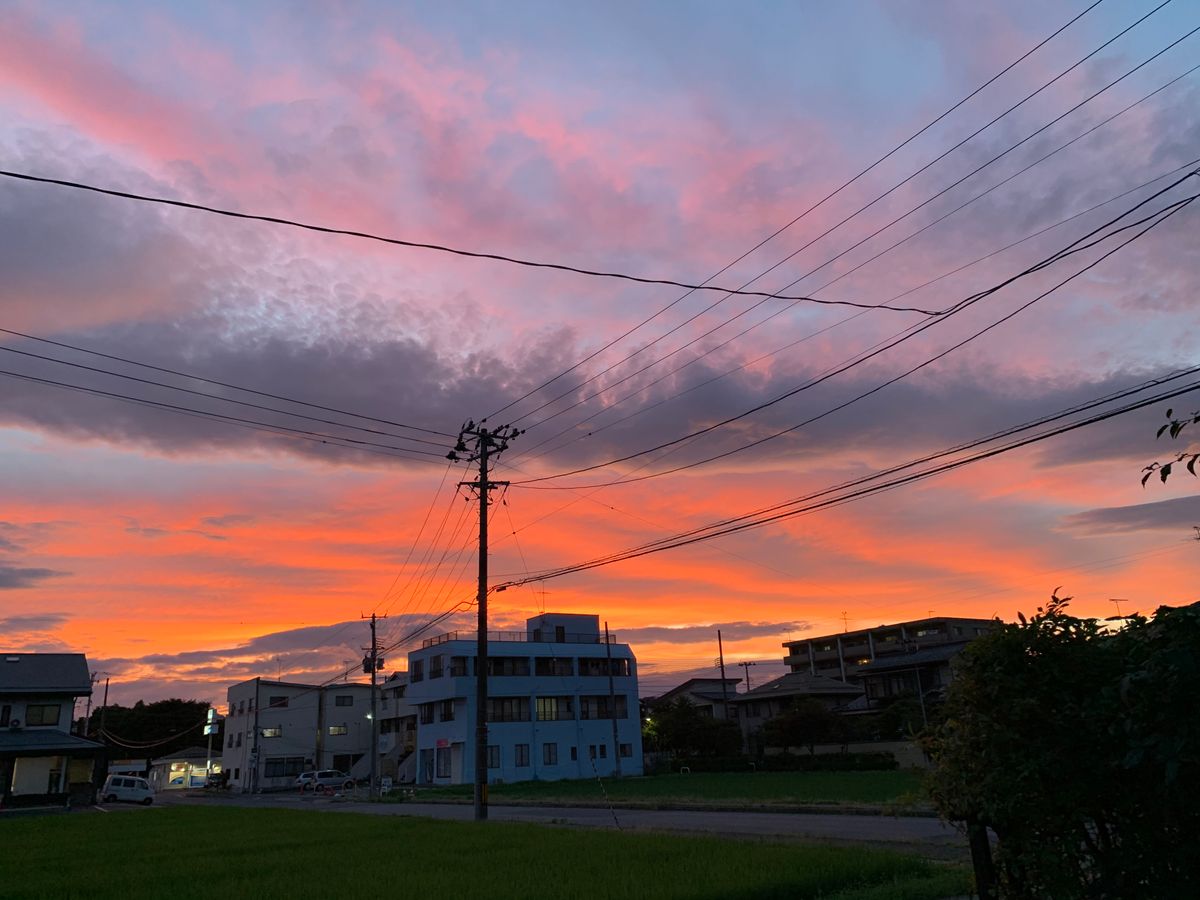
x,y
372,663
477,443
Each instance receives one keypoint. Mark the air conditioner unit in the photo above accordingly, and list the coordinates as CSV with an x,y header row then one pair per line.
x,y
15,725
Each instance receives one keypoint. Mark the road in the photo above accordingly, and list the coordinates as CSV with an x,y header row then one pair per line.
x,y
919,834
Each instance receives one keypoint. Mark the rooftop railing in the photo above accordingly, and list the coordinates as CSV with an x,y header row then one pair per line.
x,y
541,637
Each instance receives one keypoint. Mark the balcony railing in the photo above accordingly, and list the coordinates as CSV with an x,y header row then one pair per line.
x,y
518,637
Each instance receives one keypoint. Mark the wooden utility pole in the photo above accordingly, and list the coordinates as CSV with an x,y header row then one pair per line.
x,y
486,443
746,664
724,687
612,701
372,664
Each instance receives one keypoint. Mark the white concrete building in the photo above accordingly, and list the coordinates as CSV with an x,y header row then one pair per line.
x,y
275,730
550,706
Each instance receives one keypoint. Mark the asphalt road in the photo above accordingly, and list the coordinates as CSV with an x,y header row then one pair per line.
x,y
919,834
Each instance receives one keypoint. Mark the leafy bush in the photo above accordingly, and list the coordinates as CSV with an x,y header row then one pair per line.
x,y
1079,748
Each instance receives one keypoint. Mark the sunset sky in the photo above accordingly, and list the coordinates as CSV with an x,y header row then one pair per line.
x,y
664,140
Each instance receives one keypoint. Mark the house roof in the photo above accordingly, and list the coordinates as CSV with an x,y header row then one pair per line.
x,y
30,740
800,684
701,687
893,661
44,673
187,753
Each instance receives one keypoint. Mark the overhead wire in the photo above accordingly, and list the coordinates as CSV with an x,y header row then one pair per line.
x,y
850,181
965,303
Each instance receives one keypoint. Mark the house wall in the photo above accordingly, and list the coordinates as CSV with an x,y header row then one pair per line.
x,y
18,710
32,774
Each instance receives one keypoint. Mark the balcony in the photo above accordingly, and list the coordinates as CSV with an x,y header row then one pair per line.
x,y
505,637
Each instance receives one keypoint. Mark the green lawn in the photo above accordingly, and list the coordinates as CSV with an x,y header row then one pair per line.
x,y
230,853
726,788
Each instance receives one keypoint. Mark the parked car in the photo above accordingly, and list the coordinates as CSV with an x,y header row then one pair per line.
x,y
324,780
128,788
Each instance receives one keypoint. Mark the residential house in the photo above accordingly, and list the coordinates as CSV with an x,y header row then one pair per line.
x,y
274,730
562,703
889,661
712,696
41,762
777,696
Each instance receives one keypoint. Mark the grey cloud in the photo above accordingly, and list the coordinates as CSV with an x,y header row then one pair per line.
x,y
696,634
229,519
32,623
1177,514
13,577
135,527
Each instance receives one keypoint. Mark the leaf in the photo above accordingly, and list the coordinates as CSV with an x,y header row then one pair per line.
x,y
1164,472
1162,429
1146,477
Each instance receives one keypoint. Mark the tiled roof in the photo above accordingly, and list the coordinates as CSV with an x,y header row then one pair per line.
x,y
800,684
29,740
44,673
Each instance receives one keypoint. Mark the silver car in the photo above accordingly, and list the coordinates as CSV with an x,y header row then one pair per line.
x,y
324,780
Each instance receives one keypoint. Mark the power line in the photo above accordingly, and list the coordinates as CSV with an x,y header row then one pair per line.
x,y
957,308
224,384
802,215
669,544
317,437
529,455
246,403
419,245
878,198
877,231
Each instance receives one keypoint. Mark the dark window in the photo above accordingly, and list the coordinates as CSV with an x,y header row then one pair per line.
x,y
493,756
458,665
626,750
242,708
574,754
273,732
508,665
600,707
508,709
427,766
436,666
426,711
560,633
447,710
277,702
237,773
283,766
239,739
555,665
231,739
604,751
554,709
339,729
550,754
416,671
5,715
591,751
522,755
443,762
343,700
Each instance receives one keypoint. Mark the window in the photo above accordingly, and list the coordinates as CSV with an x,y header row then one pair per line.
x,y
550,754
436,666
416,671
237,773
574,754
493,756
42,713
339,729
230,739
560,633
277,702
250,705
239,739
591,751
626,751
554,665
508,709
554,709
522,755
600,707
242,708
426,711
508,665
283,766
443,762
458,666
5,715
343,700
273,732
447,712
604,751
426,766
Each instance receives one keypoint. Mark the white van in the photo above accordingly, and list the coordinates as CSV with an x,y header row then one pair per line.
x,y
127,787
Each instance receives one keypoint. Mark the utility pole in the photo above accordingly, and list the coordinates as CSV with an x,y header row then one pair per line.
x,y
104,708
746,664
372,664
612,701
724,686
485,444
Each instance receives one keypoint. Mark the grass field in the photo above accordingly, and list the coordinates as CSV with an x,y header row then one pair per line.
x,y
734,789
204,853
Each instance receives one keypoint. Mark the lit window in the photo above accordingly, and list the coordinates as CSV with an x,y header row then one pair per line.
x,y
273,732
339,729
